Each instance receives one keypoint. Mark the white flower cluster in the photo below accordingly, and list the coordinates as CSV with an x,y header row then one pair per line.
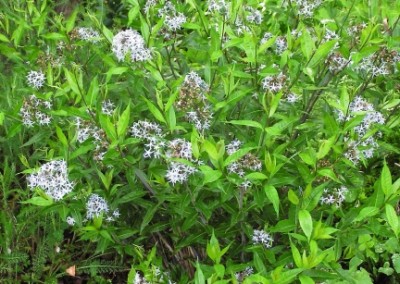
x,y
262,237
193,101
87,129
274,83
107,107
71,221
233,147
35,79
241,276
150,132
306,7
88,34
139,279
130,42
382,62
254,16
95,206
240,27
372,117
292,98
149,4
173,19
179,171
355,30
31,111
156,147
218,6
335,196
280,45
52,178
336,62
247,162
266,37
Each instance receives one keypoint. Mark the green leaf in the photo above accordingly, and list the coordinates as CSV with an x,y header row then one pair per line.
x,y
307,44
210,175
213,249
275,103
70,23
296,256
155,111
256,176
133,12
386,181
322,51
211,150
306,223
72,82
259,263
81,150
108,127
366,212
249,123
123,122
273,196
4,38
283,226
392,218
304,279
93,92
171,119
39,201
327,172
308,156
61,136
148,216
292,196
325,147
199,276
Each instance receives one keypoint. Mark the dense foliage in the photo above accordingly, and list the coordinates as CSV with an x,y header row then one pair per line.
x,y
199,141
